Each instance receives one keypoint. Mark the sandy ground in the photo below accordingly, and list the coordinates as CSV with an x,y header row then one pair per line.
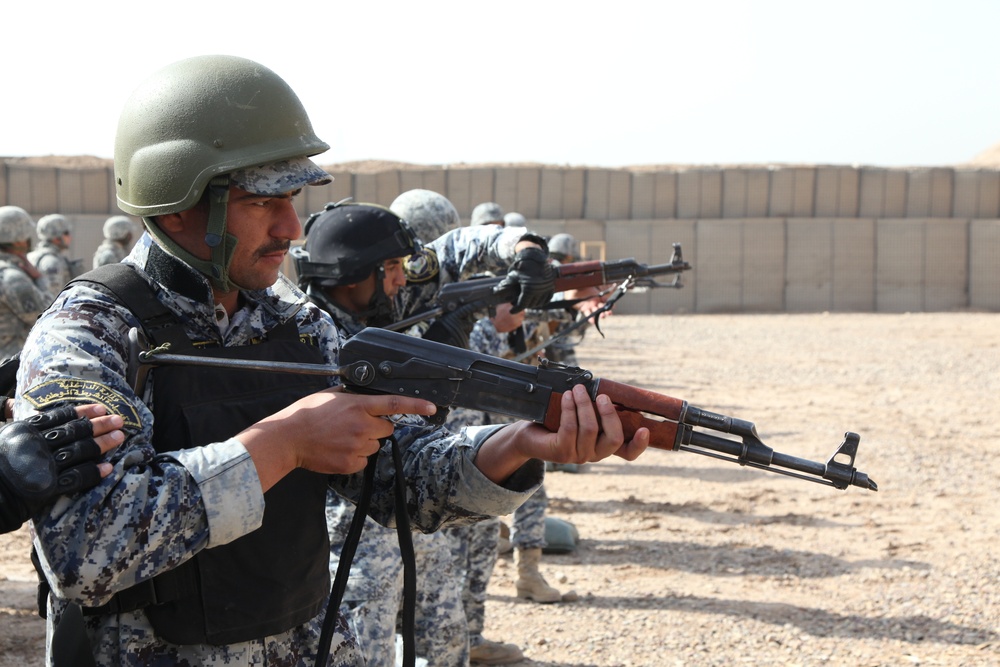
x,y
686,560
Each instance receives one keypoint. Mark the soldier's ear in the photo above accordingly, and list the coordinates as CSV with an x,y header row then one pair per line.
x,y
170,222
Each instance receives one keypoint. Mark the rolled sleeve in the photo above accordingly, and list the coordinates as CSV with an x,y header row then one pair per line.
x,y
231,491
476,492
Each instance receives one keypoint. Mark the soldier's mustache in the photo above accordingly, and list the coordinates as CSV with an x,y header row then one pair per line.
x,y
277,246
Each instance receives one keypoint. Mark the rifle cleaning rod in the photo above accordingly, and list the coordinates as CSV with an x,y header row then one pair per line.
x,y
155,358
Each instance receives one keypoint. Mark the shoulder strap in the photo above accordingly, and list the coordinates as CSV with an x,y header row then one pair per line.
x,y
123,282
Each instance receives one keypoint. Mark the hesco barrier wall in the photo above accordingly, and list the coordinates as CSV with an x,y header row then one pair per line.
x,y
761,239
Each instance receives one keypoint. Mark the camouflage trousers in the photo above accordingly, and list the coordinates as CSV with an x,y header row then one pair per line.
x,y
476,548
373,599
528,531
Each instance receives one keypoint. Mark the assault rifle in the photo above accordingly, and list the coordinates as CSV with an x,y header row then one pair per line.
x,y
483,293
384,362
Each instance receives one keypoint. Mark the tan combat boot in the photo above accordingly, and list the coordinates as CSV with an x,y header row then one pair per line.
x,y
530,582
495,653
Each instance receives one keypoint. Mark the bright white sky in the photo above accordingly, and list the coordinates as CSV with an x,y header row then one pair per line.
x,y
877,82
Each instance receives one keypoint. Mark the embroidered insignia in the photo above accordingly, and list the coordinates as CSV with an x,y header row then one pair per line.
x,y
422,266
72,390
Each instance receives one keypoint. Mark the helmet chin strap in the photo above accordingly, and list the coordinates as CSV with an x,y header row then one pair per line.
x,y
221,243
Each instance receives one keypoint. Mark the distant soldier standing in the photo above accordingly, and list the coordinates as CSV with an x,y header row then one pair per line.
x,y
22,293
51,256
118,230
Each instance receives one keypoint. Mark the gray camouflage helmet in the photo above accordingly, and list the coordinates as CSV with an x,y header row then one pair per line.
x,y
118,228
52,226
515,219
563,247
487,213
429,214
15,225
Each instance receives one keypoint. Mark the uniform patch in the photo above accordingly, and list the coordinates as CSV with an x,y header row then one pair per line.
x,y
422,266
71,390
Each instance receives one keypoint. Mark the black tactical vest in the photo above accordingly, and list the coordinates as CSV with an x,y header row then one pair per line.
x,y
267,581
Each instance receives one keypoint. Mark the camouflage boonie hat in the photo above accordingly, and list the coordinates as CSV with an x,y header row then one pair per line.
x,y
486,214
277,178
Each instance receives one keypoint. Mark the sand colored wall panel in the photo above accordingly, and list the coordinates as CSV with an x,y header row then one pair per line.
x,y
69,191
95,192
853,265
3,185
366,188
918,193
837,192
734,193
33,189
562,193
809,265
942,188
989,195
387,187
689,194
586,230
318,196
481,187
619,195
830,265
711,193
719,258
763,265
781,197
83,190
896,188
965,203
435,180
871,192
459,191
758,192
945,265
984,264
505,188
666,195
598,194
899,276
643,196
804,192
550,205
574,192
528,201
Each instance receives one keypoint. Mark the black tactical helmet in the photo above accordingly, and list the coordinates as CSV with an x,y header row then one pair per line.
x,y
345,242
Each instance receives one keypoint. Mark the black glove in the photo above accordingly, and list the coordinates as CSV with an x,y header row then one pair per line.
x,y
453,328
533,277
44,456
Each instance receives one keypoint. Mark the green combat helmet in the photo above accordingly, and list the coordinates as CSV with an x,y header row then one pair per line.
x,y
190,125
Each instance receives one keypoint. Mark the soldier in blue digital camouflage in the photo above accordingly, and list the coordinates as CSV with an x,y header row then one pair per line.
x,y
118,231
23,294
51,255
350,266
207,544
